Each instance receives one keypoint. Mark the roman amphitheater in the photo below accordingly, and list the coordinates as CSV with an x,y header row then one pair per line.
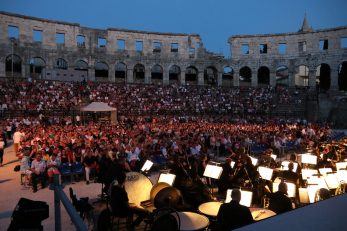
x,y
36,48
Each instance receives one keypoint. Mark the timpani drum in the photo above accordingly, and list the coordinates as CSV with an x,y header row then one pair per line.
x,y
210,208
191,221
261,213
156,189
138,187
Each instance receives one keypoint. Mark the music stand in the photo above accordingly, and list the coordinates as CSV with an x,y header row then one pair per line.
x,y
306,173
246,197
331,181
325,171
285,163
320,182
342,176
341,166
254,160
308,195
213,172
308,159
265,173
232,164
167,178
290,186
147,166
273,156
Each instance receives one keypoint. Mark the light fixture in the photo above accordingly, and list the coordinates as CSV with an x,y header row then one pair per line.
x,y
246,197
265,173
147,166
213,171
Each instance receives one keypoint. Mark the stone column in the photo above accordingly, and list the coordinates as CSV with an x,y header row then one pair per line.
x,y
220,78
182,78
312,78
148,75
236,77
273,78
291,78
112,74
254,81
3,68
166,80
334,76
201,78
130,76
91,74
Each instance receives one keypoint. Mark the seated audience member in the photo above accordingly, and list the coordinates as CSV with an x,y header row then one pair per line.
x,y
52,167
38,169
232,215
90,163
120,202
279,201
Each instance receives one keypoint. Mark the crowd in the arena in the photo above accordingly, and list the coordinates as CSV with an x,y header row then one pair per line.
x,y
42,96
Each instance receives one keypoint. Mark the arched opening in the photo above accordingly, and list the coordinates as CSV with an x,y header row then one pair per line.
x,y
61,64
139,73
228,76
82,67
101,71
191,75
245,76
157,74
174,74
210,76
13,66
37,65
301,77
120,73
323,77
263,76
282,75
342,72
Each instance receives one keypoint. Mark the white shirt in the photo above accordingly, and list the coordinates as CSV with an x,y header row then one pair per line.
x,y
17,136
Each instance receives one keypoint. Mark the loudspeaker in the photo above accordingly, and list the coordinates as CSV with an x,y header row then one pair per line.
x,y
28,214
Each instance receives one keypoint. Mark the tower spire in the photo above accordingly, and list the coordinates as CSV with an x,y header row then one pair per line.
x,y
305,25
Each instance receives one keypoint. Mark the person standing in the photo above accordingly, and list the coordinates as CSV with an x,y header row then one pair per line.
x,y
232,215
2,147
17,137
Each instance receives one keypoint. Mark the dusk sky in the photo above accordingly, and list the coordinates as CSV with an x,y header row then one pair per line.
x,y
214,20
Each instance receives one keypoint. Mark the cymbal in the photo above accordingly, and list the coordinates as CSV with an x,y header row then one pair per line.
x,y
167,197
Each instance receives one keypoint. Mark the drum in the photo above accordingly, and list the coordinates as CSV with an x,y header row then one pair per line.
x,y
156,188
210,208
191,221
138,187
261,213
168,197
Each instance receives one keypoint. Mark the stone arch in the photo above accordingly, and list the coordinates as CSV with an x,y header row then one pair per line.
x,y
82,66
210,76
120,72
301,76
13,66
263,76
191,75
174,74
228,76
36,66
157,74
101,71
61,63
323,78
282,75
342,76
139,73
245,76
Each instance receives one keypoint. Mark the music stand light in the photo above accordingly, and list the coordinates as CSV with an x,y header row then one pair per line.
x,y
147,166
265,173
246,197
213,171
167,178
306,173
325,171
341,166
308,159
285,163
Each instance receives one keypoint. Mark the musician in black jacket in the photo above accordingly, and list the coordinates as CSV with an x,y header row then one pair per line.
x,y
279,201
232,215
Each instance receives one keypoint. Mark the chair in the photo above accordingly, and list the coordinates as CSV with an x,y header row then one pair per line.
x,y
78,169
65,170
